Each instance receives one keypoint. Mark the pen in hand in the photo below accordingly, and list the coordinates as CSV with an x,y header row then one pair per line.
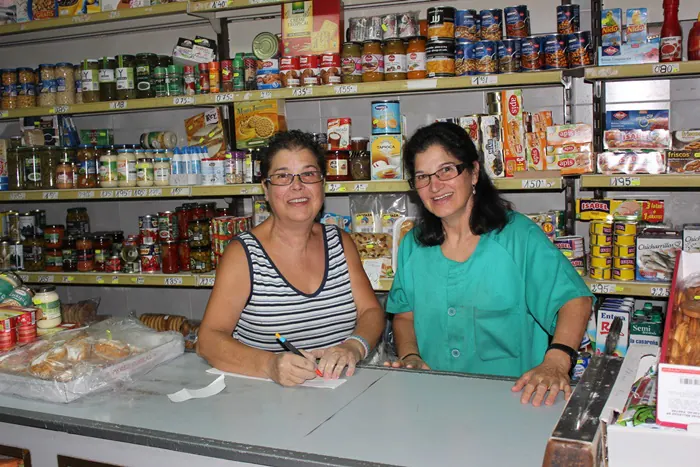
x,y
288,345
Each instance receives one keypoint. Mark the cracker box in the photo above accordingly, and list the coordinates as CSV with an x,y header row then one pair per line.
x,y
656,254
636,29
683,161
691,238
572,146
688,140
312,27
256,121
514,155
491,146
385,154
72,8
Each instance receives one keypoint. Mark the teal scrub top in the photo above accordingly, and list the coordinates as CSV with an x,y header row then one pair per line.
x,y
492,314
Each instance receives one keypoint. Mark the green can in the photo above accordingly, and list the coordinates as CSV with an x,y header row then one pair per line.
x,y
21,296
160,76
174,78
238,73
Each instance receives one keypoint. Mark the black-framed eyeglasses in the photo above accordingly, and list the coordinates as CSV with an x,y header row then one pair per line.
x,y
284,179
447,172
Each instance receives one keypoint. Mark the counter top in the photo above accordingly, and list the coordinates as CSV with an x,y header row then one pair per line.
x,y
378,416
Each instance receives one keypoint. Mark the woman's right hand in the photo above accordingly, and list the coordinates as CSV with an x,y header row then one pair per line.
x,y
288,369
412,362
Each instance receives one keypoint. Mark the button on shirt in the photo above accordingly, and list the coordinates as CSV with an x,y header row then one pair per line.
x,y
493,313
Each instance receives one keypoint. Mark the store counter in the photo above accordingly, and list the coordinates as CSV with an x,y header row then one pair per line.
x,y
377,417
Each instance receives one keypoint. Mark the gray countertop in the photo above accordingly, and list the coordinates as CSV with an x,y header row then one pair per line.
x,y
378,416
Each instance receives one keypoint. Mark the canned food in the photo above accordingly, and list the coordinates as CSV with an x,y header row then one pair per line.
x,y
625,228
198,232
390,26
330,68
13,227
27,225
601,251
582,362
601,240
200,260
183,253
21,296
509,56
568,19
440,58
386,117
491,24
579,49
6,249
441,21
150,257
624,263
601,262
266,45
530,54
467,25
620,251
517,21
308,66
113,264
289,72
624,240
600,273
555,52
601,228
623,274
485,53
464,58
167,226
578,262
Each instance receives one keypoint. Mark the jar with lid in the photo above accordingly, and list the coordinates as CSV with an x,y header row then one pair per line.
x,y
15,169
78,76
117,241
337,166
415,58
360,163
53,235
70,254
31,161
372,62
90,81
200,260
146,64
126,168
102,245
108,166
170,263
198,233
86,254
47,85
26,89
49,162
351,62
394,60
49,304
33,253
145,176
65,170
140,154
87,166
8,89
53,260
161,170
174,80
108,80
125,76
77,221
65,84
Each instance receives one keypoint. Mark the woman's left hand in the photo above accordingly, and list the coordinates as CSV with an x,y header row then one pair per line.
x,y
551,375
335,359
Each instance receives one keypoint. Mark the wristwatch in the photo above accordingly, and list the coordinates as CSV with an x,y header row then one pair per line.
x,y
572,353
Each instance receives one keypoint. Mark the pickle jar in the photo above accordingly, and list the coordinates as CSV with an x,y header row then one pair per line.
x,y
66,177
15,169
26,88
90,77
31,162
126,79
49,163
146,64
198,233
70,254
33,253
200,260
47,86
87,167
108,81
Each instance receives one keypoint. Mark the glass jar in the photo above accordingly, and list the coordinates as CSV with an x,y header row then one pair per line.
x,y
102,246
360,163
145,66
77,221
126,70
351,62
415,58
145,176
49,304
53,260
200,260
394,60
126,168
140,154
175,81
31,162
372,62
161,170
108,81
70,254
33,253
78,76
49,162
15,169
65,170
170,260
87,167
53,235
26,88
47,86
90,81
337,166
86,254
8,89
65,84
108,166
198,233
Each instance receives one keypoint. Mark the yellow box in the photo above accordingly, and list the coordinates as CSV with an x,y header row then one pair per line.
x,y
256,122
386,154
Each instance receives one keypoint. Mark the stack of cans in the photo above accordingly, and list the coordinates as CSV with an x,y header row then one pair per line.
x,y
623,250
223,230
600,261
573,248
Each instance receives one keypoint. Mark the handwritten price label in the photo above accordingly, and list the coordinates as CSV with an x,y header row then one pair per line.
x,y
17,196
86,194
217,4
99,279
666,69
205,282
115,280
117,105
49,195
60,109
123,193
188,100
140,193
81,19
660,291
536,184
45,279
266,95
223,98
4,113
346,89
172,281
180,191
115,14
602,288
302,92
360,187
625,181
154,192
67,279
334,188
107,194
485,80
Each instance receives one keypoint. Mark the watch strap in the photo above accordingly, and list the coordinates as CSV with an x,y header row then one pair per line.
x,y
570,351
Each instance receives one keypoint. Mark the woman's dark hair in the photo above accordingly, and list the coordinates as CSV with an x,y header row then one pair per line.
x,y
291,141
490,211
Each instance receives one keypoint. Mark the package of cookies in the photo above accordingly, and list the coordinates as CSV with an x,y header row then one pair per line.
x,y
257,121
375,250
206,129
65,366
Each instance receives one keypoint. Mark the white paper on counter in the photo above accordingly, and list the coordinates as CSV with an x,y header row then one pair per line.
x,y
213,389
319,383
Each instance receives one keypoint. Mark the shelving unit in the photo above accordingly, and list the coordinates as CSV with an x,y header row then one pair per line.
x,y
644,71
640,181
660,290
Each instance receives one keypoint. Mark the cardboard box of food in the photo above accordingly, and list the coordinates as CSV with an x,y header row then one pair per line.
x,y
637,120
514,154
4,146
386,154
683,161
256,121
111,5
608,210
492,146
656,254
72,8
631,162
636,139
206,129
572,146
312,27
686,140
691,238
606,315
536,147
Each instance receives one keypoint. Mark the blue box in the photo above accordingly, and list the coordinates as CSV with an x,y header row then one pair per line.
x,y
636,120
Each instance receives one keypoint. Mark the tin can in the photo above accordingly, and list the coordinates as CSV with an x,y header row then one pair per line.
x,y
620,251
623,274
568,19
357,29
441,22
183,253
578,263
27,225
579,49
21,296
113,264
440,58
386,117
14,231
467,25
517,21
39,221
8,333
624,240
321,139
509,56
226,76
203,78
6,249
555,52
601,240
624,263
266,45
602,251
582,362
625,228
374,29
149,221
289,72
464,57
167,226
600,273
491,24
150,261
170,258
600,228
390,26
310,72
600,262
485,55
330,68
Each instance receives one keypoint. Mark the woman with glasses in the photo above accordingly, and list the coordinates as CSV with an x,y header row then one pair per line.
x,y
479,288
293,276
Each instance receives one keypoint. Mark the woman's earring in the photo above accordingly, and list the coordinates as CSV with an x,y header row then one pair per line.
x,y
473,189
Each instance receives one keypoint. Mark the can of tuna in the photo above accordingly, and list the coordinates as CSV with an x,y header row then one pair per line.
x,y
467,25
530,52
464,57
624,240
624,251
517,21
578,262
601,240
555,52
600,273
509,56
486,57
624,263
625,228
601,228
601,251
623,274
601,262
491,24
579,49
582,362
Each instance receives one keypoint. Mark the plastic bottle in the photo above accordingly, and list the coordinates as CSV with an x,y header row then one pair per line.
x,y
197,165
175,163
694,41
187,165
671,46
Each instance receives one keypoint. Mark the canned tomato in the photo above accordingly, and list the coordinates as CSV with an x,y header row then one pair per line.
x,y
150,260
289,72
509,56
440,58
579,49
582,362
167,226
555,52
330,68
183,253
441,21
464,58
485,56
467,25
568,19
386,118
624,263
517,21
308,66
491,24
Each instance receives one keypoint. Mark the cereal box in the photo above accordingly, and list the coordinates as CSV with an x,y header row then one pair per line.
x,y
312,27
385,154
491,146
571,145
40,9
611,27
656,254
514,155
206,129
636,26
256,121
536,146
72,8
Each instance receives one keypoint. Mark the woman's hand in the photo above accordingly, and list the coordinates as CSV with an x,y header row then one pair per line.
x,y
551,375
335,359
412,362
288,369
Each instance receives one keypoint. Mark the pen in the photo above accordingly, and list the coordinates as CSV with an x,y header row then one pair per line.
x,y
288,345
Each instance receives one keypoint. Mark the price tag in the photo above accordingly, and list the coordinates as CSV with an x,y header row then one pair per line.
x,y
625,181
4,113
536,184
216,4
107,194
60,109
221,98
138,280
602,288
346,89
186,100
99,279
205,281
180,191
265,95
660,291
67,279
49,195
115,14
23,27
86,194
117,105
254,190
334,188
155,192
360,187
666,68
81,19
302,92
115,280
484,80
16,196
172,281
45,279
24,277
140,193
123,194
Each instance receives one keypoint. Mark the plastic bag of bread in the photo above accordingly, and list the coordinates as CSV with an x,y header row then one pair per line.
x,y
83,312
65,366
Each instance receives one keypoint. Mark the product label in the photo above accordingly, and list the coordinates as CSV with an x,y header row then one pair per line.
x,y
32,171
50,310
394,63
372,63
337,167
106,75
64,178
351,66
60,84
87,168
670,49
108,171
47,86
25,89
415,61
51,237
145,173
162,174
126,170
143,78
125,78
90,80
101,256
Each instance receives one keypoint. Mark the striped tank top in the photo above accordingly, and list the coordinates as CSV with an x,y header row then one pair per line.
x,y
310,321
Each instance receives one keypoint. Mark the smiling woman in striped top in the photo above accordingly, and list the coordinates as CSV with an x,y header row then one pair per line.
x,y
293,276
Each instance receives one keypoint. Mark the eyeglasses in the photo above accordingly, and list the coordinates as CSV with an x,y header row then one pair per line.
x,y
445,173
284,179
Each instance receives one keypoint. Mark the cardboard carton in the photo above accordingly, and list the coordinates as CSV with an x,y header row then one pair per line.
x,y
256,122
312,27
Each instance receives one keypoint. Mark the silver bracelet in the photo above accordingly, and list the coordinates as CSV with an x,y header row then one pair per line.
x,y
362,341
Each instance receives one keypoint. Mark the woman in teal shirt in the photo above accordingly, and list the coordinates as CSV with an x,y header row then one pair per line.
x,y
479,288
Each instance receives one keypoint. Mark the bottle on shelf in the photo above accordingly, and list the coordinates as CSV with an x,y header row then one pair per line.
x,y
694,41
671,46
176,168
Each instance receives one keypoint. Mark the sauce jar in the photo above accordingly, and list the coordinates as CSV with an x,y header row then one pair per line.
x,y
102,247
338,166
145,175
108,80
53,260
170,262
146,64
415,58
360,164
125,77
198,233
126,167
70,254
351,62
31,164
33,253
200,260
394,60
53,235
107,166
161,169
49,304
65,170
183,253
77,221
86,254
90,81
87,167
372,62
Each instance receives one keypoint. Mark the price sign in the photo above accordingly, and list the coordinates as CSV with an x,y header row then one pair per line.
x,y
115,280
602,288
67,279
115,14
302,92
346,89
180,191
625,181
205,281
107,194
117,105
186,100
140,193
666,68
49,195
172,281
360,187
4,113
81,19
660,291
99,279
86,194
60,109
215,5
24,277
266,95
138,280
536,184
123,193
154,192
45,279
222,98
484,80
17,196
333,187
254,190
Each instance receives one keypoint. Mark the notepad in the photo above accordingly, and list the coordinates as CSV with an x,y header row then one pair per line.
x,y
319,383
